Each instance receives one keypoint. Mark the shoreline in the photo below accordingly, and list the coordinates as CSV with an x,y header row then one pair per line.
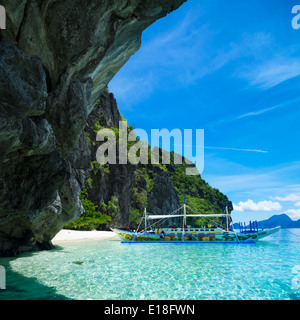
x,y
73,235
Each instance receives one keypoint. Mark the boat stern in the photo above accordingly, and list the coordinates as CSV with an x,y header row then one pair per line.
x,y
267,232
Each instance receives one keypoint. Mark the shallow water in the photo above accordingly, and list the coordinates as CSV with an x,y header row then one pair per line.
x,y
110,270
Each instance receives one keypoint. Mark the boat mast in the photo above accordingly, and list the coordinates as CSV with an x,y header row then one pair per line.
x,y
226,215
145,213
184,219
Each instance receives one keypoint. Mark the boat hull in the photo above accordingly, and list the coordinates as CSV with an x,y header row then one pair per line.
x,y
194,237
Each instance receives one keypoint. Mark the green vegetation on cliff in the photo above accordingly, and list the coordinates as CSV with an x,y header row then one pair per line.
x,y
198,194
90,219
114,195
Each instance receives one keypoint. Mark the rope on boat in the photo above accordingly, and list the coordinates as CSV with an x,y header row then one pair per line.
x,y
137,229
157,222
220,225
296,235
237,238
151,225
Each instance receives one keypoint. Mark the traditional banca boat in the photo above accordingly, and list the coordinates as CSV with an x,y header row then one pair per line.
x,y
210,233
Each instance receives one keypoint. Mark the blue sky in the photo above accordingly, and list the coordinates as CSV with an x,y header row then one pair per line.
x,y
234,71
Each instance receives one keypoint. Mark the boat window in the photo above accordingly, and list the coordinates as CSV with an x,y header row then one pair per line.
x,y
201,229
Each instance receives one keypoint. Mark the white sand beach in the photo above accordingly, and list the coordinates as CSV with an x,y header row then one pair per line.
x,y
73,235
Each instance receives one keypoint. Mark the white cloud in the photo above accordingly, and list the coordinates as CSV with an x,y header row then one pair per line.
x,y
293,213
297,204
290,197
250,205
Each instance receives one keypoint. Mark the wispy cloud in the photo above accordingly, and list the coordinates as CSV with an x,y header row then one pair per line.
x,y
250,182
269,74
242,184
254,113
258,112
195,47
237,149
185,54
172,57
224,148
133,89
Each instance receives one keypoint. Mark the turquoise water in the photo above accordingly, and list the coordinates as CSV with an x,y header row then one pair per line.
x,y
111,270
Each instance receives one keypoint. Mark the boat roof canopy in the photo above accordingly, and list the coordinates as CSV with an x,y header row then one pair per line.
x,y
152,217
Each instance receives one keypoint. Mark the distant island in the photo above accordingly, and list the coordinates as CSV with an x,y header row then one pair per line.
x,y
282,220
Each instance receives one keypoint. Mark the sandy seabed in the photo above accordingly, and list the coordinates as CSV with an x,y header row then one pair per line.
x,y
73,235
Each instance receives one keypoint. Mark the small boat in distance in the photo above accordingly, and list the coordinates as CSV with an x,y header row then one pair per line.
x,y
190,234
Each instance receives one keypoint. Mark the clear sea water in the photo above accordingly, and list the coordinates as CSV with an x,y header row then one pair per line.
x,y
109,270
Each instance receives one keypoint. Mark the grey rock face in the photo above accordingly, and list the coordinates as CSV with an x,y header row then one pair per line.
x,y
106,112
163,198
56,58
27,147
118,181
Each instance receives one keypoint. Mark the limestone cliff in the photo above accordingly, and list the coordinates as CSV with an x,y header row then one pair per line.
x,y
125,185
56,58
125,188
